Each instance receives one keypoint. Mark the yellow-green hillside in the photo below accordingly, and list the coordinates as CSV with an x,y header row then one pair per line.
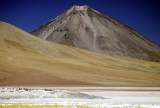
x,y
28,60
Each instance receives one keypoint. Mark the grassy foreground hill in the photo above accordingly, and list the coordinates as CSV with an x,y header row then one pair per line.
x,y
30,61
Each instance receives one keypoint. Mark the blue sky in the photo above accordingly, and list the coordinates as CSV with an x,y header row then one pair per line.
x,y
141,15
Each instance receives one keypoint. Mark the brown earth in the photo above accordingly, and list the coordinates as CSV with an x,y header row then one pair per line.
x,y
28,60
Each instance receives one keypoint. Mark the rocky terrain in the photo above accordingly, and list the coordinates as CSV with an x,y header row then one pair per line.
x,y
85,28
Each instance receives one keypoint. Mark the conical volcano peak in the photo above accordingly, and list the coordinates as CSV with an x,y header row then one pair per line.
x,y
85,28
78,8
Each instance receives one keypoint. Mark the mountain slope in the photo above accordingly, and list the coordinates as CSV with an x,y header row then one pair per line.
x,y
85,28
28,60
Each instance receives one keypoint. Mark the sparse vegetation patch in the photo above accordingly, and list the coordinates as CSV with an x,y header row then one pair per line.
x,y
4,76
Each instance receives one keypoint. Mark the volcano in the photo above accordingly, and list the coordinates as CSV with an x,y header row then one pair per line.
x,y
85,28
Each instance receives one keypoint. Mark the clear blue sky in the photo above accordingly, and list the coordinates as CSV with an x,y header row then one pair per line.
x,y
141,15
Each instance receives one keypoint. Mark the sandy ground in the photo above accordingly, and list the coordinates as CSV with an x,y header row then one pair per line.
x,y
75,105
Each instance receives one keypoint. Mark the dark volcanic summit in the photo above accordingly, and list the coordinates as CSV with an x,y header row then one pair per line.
x,y
85,28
